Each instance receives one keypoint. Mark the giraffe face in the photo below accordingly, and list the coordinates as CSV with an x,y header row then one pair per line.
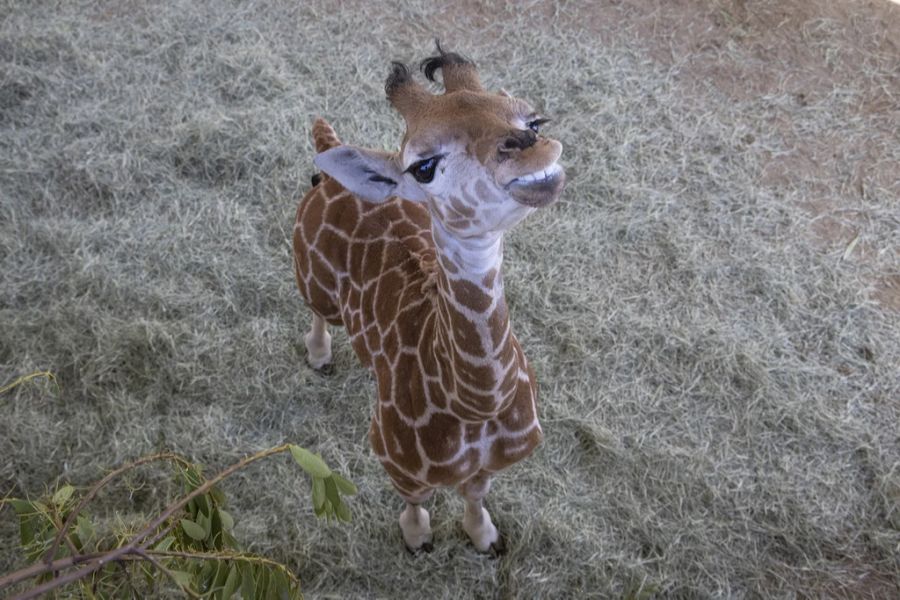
x,y
480,160
477,159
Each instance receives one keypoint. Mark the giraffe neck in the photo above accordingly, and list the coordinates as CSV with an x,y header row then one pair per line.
x,y
473,343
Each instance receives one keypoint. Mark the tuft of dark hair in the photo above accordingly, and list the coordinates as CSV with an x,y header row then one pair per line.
x,y
398,77
433,63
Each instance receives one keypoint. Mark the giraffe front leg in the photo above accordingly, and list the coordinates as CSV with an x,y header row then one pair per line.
x,y
415,523
476,520
318,345
416,527
414,520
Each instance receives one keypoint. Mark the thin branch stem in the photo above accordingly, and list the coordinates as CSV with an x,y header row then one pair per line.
x,y
41,568
50,376
147,555
60,528
225,556
66,579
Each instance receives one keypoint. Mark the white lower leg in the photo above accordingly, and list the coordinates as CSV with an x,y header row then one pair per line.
x,y
318,343
477,524
416,526
476,520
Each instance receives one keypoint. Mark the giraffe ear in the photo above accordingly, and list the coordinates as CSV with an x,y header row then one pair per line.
x,y
372,175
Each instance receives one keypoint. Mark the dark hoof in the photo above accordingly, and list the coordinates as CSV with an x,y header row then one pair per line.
x,y
497,549
326,369
316,179
427,548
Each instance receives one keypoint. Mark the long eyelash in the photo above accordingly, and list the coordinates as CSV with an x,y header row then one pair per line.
x,y
412,167
540,121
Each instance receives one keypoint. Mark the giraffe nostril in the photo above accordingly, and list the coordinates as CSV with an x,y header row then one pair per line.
x,y
518,140
507,147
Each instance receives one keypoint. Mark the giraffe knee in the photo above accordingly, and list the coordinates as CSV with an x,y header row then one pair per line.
x,y
475,488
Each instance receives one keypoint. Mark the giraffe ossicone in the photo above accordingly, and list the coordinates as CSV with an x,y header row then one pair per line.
x,y
405,250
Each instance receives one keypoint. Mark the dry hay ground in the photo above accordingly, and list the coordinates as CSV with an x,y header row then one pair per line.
x,y
709,309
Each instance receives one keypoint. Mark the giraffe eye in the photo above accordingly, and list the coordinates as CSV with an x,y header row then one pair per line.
x,y
535,125
424,170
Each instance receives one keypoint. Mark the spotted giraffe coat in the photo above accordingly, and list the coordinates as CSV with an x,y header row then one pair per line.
x,y
442,416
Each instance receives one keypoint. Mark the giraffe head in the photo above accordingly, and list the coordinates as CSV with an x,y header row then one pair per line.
x,y
476,158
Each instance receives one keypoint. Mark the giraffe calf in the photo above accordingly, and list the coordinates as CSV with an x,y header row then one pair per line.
x,y
405,251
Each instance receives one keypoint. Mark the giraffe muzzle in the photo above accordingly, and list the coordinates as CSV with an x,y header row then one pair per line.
x,y
539,188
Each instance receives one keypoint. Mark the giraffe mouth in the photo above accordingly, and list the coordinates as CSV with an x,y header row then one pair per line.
x,y
538,188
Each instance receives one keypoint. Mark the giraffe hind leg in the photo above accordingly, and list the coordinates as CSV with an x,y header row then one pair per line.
x,y
318,346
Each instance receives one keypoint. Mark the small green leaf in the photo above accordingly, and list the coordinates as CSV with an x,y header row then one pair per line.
x,y
231,583
183,578
262,583
345,485
62,495
26,531
84,529
204,503
318,492
331,492
82,533
216,531
165,543
227,520
343,513
205,578
218,582
248,584
229,541
310,462
192,479
193,530
22,507
282,585
204,522
218,496
28,520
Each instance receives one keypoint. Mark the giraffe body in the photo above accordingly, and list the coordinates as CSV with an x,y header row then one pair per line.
x,y
416,280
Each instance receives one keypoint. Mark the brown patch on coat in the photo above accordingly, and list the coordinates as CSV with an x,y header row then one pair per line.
x,y
470,295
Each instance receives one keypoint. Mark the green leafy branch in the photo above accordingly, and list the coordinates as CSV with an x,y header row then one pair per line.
x,y
190,542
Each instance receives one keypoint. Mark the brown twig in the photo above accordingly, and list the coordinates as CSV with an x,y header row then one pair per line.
x,y
41,568
61,527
